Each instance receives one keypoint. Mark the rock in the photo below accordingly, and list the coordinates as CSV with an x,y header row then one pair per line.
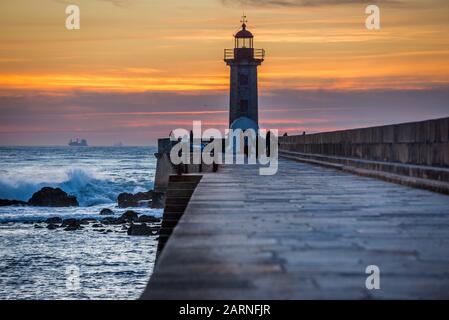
x,y
158,200
97,225
54,220
144,203
7,203
149,219
112,220
71,228
52,226
141,230
106,212
38,226
126,200
71,224
108,220
85,221
99,230
52,197
130,216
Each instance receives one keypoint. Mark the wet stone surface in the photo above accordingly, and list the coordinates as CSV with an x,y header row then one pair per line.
x,y
307,232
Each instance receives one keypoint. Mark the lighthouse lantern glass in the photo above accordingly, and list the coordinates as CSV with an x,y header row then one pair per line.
x,y
244,43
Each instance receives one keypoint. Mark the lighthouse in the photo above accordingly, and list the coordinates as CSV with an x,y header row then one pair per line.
x,y
243,60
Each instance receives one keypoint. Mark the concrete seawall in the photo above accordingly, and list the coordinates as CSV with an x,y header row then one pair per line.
x,y
414,154
179,191
165,168
419,143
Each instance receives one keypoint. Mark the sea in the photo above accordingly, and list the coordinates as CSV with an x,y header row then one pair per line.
x,y
38,263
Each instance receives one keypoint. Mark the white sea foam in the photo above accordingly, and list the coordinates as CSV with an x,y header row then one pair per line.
x,y
88,188
96,176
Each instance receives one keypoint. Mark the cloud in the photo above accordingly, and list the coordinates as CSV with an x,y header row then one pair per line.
x,y
32,118
117,3
300,3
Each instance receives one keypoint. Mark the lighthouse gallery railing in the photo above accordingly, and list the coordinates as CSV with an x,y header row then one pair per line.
x,y
248,53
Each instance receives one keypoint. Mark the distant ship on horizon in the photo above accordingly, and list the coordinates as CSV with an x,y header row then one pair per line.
x,y
78,143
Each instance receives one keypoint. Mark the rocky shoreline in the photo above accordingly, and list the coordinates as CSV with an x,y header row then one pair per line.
x,y
56,197
45,197
131,222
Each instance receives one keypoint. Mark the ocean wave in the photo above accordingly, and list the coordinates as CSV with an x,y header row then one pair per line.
x,y
90,189
18,190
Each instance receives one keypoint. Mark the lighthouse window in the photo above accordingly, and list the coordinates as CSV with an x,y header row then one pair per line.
x,y
243,105
243,81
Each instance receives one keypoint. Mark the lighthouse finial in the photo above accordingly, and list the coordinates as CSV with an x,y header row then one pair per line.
x,y
244,20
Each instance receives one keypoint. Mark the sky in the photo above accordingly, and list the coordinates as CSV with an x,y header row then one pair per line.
x,y
138,69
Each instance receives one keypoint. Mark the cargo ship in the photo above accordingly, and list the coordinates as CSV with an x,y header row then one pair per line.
x,y
78,143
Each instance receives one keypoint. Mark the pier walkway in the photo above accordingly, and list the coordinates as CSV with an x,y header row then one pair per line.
x,y
307,233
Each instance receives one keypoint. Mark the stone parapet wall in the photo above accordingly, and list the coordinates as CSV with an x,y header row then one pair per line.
x,y
418,143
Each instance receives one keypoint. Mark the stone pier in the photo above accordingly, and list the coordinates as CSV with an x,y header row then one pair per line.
x,y
308,232
311,230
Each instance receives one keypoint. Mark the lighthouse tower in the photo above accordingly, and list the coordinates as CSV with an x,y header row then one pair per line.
x,y
243,60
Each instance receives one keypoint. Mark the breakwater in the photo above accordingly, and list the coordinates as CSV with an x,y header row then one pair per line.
x,y
414,154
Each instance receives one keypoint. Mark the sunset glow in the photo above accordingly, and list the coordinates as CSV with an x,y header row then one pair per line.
x,y
137,68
